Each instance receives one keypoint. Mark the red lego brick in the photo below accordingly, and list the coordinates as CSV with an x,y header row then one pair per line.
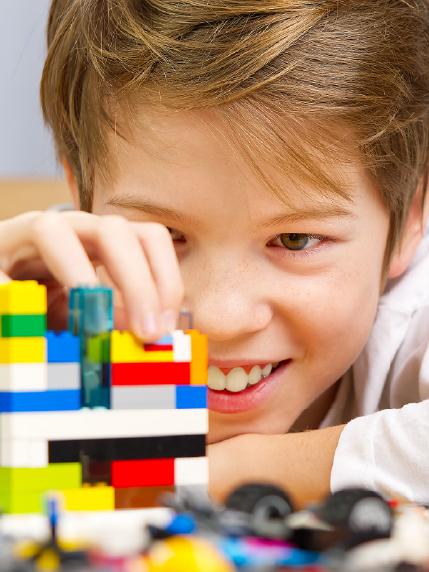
x,y
158,348
143,473
149,373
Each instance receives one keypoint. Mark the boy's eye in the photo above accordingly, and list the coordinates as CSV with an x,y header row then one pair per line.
x,y
297,240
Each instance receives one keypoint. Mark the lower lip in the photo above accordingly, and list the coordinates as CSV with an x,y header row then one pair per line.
x,y
250,398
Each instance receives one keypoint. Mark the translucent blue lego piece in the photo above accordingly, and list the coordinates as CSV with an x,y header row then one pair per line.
x,y
90,314
191,397
90,310
63,347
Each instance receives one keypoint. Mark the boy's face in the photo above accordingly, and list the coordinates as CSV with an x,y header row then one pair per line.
x,y
258,285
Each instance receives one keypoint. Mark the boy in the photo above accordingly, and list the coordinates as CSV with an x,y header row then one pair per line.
x,y
284,145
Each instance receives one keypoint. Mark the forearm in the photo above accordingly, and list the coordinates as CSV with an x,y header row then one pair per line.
x,y
301,463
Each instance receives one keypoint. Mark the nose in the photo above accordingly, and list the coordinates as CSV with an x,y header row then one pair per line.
x,y
227,298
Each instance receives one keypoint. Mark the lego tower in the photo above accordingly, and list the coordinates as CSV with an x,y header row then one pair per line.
x,y
94,413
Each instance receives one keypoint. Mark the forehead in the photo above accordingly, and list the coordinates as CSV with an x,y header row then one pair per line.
x,y
157,151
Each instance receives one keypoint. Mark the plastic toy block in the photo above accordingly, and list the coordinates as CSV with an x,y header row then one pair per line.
x,y
63,347
22,325
163,344
23,453
143,397
182,346
143,473
140,497
191,396
127,348
95,380
89,498
26,297
150,373
21,502
59,476
90,310
51,400
191,471
23,377
22,350
63,376
199,364
127,449
103,424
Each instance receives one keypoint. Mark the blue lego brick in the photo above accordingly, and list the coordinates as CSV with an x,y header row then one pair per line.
x,y
63,347
90,310
29,401
191,397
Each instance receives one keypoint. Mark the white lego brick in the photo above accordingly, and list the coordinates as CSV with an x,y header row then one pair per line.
x,y
23,453
23,377
191,471
99,423
182,348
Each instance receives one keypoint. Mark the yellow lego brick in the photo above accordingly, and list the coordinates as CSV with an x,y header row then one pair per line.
x,y
89,498
23,350
26,297
126,348
199,362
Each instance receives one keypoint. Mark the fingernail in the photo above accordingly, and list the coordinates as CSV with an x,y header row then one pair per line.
x,y
169,320
150,324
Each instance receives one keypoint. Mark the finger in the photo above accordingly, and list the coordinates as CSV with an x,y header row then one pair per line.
x,y
161,255
125,261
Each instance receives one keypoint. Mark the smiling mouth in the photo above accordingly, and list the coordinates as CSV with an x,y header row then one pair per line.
x,y
238,379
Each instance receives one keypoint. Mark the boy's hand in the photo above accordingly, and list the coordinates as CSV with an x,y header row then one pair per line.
x,y
63,250
300,463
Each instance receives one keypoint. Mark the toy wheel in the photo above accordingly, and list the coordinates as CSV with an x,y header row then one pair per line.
x,y
253,497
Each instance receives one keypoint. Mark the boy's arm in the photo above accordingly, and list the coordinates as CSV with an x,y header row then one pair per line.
x,y
301,463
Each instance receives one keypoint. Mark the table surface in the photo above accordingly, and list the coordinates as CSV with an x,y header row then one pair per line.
x,y
20,195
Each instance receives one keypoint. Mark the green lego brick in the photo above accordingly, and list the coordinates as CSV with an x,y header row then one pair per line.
x,y
21,503
22,325
56,476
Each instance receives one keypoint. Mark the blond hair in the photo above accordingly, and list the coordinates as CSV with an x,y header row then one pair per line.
x,y
283,73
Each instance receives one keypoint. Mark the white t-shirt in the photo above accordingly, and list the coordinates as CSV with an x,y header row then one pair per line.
x,y
384,397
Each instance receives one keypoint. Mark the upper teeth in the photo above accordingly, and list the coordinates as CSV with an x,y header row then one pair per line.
x,y
237,379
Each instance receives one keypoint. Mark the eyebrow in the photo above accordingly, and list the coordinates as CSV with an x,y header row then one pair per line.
x,y
315,213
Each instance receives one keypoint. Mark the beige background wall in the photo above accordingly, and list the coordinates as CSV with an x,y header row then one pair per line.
x,y
17,196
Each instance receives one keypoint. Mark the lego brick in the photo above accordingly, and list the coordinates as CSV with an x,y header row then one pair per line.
x,y
51,400
23,453
63,376
89,498
63,347
182,346
23,377
125,449
150,373
143,397
199,363
59,476
191,471
143,473
127,348
95,382
22,297
22,350
90,310
22,325
97,348
140,497
21,502
96,472
191,396
103,423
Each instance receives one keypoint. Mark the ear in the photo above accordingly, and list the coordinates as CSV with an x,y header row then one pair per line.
x,y
411,236
71,182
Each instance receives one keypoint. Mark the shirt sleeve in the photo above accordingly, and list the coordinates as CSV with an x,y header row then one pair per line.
x,y
386,451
